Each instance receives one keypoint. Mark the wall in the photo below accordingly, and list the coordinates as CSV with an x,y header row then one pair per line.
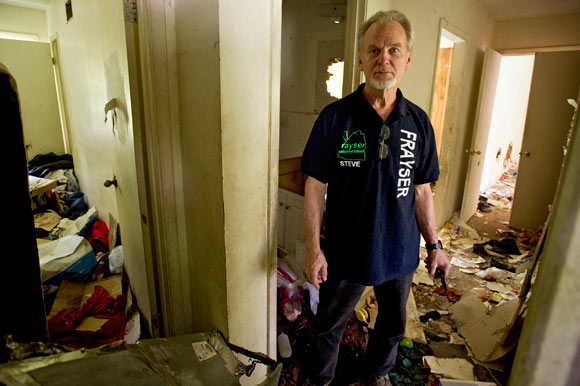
x,y
469,21
303,31
201,143
93,56
552,31
30,64
24,20
548,350
509,115
228,62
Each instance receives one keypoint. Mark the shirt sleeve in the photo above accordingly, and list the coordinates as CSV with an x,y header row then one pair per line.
x,y
317,156
428,166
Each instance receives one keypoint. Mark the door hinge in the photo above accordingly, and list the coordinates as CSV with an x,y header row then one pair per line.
x,y
130,8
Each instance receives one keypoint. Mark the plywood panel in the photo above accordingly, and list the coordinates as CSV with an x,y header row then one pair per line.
x,y
440,93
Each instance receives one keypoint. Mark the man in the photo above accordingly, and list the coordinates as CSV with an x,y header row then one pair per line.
x,y
376,152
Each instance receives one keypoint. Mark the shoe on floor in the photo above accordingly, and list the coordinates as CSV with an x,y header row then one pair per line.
x,y
483,207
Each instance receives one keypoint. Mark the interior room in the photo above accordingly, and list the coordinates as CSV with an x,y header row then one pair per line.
x,y
185,124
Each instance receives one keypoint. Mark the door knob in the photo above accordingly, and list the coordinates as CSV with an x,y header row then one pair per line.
x,y
108,183
472,151
526,153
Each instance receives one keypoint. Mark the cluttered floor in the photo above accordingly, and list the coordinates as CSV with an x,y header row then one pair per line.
x,y
464,329
87,300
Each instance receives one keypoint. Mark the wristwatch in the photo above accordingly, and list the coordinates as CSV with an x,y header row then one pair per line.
x,y
437,245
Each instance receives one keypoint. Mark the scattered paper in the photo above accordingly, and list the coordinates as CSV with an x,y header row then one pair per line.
x,y
485,331
456,368
459,262
455,338
497,287
470,270
58,248
203,350
422,276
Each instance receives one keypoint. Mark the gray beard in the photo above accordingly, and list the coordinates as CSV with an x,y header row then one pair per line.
x,y
383,84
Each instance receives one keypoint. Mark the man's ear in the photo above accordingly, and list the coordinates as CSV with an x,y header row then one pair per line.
x,y
360,64
408,61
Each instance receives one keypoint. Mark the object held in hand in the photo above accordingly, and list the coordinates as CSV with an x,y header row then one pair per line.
x,y
439,273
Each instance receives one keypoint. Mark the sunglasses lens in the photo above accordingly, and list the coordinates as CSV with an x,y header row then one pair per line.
x,y
383,150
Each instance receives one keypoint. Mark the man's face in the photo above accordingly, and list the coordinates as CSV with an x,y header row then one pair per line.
x,y
384,56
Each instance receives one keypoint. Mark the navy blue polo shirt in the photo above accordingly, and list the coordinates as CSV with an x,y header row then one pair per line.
x,y
372,235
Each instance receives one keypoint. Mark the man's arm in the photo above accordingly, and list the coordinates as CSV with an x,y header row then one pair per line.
x,y
316,265
425,214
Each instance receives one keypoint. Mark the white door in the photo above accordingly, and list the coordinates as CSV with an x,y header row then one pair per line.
x,y
487,90
555,79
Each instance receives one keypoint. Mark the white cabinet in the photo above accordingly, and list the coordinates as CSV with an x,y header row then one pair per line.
x,y
290,220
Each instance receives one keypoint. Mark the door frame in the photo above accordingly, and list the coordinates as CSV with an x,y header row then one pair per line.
x,y
158,156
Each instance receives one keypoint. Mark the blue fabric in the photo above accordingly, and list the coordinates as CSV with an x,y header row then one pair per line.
x,y
76,204
337,301
87,229
372,235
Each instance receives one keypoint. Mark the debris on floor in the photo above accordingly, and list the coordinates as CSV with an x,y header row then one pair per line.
x,y
87,298
460,331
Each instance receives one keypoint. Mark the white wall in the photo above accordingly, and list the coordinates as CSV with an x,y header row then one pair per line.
x,y
509,115
228,66
24,20
551,31
30,64
302,30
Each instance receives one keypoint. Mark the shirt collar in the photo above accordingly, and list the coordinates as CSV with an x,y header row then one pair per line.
x,y
401,108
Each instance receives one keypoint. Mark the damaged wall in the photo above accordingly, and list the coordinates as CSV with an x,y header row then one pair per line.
x,y
304,31
93,55
30,64
472,23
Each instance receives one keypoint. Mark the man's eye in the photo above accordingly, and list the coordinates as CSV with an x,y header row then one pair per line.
x,y
395,50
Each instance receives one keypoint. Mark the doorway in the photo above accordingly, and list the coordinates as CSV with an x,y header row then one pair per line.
x,y
553,78
504,142
445,60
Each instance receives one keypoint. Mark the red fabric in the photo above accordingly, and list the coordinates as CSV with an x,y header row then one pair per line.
x,y
99,238
62,327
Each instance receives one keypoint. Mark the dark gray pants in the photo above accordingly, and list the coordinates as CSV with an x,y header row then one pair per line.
x,y
337,301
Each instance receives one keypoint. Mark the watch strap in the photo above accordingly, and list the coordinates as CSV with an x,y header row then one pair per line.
x,y
437,245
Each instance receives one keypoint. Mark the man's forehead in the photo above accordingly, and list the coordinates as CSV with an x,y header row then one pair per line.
x,y
390,32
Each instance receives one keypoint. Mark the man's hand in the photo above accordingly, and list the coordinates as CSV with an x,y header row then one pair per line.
x,y
437,259
316,267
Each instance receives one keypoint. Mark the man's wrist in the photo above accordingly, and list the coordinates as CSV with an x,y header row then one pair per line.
x,y
431,247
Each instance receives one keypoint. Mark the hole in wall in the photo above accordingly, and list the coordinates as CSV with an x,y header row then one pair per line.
x,y
335,71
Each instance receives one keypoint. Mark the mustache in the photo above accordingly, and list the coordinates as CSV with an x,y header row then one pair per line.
x,y
385,68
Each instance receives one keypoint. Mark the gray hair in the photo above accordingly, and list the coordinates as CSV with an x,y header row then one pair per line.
x,y
386,17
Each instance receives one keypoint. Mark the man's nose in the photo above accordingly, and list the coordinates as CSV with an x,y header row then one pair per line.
x,y
385,57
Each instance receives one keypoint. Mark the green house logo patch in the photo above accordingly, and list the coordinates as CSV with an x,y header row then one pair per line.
x,y
354,147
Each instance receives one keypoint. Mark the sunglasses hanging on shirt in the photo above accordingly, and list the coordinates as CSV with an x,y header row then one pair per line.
x,y
383,148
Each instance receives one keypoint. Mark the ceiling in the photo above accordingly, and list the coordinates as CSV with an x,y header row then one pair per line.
x,y
502,10
37,4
